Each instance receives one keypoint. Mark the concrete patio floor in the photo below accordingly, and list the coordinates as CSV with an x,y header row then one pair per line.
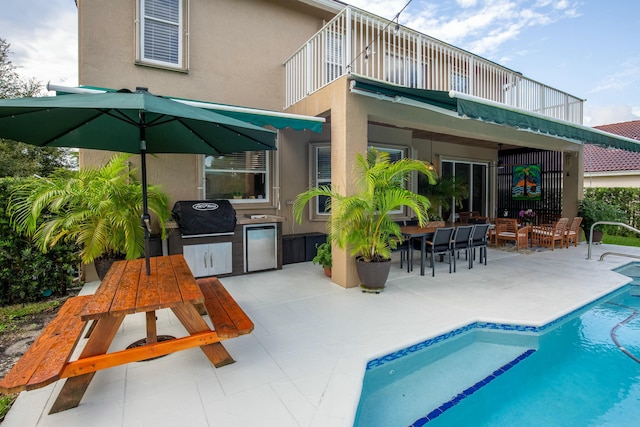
x,y
303,364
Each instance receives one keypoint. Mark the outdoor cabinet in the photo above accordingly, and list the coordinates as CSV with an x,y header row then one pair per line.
x,y
209,259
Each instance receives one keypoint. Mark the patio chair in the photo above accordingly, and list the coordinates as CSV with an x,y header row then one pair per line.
x,y
461,242
507,231
479,240
478,220
440,244
548,234
573,232
406,252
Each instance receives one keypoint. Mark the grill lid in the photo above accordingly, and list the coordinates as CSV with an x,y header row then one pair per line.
x,y
204,216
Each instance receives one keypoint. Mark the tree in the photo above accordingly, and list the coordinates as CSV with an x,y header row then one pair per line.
x,y
16,158
11,84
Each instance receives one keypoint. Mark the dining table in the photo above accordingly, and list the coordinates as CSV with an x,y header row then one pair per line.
x,y
417,232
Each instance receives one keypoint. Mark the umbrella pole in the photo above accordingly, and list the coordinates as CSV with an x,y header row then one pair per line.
x,y
146,219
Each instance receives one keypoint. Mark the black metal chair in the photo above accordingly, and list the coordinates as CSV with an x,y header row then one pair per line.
x,y
406,252
461,242
479,239
440,244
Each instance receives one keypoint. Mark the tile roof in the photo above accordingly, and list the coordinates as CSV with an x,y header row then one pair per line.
x,y
601,159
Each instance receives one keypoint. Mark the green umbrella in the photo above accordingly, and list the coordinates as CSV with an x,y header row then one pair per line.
x,y
130,122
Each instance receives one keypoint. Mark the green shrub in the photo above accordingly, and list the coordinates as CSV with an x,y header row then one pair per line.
x,y
26,274
625,199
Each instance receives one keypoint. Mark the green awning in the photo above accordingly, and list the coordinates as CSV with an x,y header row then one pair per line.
x,y
254,116
466,106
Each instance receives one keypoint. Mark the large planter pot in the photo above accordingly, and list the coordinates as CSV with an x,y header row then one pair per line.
x,y
597,236
373,275
104,263
102,266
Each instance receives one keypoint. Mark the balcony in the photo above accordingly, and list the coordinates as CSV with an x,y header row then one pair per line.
x,y
361,43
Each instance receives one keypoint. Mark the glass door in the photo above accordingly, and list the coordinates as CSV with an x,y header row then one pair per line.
x,y
474,177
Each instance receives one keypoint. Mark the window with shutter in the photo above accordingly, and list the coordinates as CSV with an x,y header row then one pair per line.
x,y
241,177
322,170
161,30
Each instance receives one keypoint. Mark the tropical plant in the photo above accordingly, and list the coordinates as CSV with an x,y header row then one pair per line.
x,y
593,210
362,222
442,192
99,210
323,255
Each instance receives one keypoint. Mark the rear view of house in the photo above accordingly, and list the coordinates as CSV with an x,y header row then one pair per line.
x,y
334,80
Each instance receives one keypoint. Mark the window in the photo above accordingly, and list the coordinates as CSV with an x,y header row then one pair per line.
x,y
401,70
322,170
323,175
241,177
459,82
160,32
333,56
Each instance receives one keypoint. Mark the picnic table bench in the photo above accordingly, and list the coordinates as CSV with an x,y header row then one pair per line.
x,y
126,290
46,358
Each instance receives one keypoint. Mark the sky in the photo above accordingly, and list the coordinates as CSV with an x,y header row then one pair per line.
x,y
588,48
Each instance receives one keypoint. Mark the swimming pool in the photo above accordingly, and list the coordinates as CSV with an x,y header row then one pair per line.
x,y
580,370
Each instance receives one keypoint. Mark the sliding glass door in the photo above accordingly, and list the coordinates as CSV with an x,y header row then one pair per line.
x,y
475,177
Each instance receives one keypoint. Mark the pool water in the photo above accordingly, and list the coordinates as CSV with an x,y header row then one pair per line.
x,y
568,373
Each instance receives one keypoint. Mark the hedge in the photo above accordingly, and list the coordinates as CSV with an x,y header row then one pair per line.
x,y
627,199
26,274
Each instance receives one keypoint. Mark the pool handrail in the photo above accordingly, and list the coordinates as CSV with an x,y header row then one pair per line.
x,y
621,224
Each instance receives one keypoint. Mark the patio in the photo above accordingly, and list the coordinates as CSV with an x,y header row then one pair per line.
x,y
304,362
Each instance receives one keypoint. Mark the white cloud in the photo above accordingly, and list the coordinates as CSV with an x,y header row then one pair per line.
x,y
44,41
466,3
480,26
596,115
626,75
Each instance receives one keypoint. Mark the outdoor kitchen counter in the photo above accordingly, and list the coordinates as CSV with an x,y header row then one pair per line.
x,y
242,220
223,254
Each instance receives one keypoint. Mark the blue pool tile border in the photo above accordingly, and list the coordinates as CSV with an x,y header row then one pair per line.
x,y
380,361
469,391
375,363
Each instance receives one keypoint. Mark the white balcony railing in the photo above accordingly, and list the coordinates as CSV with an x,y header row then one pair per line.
x,y
358,42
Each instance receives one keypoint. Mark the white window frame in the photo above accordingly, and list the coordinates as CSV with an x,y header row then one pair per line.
x,y
487,189
401,70
267,179
317,181
334,58
459,82
180,25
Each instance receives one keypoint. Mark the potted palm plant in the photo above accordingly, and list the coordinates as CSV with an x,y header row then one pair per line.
x,y
363,221
442,192
594,210
98,209
323,257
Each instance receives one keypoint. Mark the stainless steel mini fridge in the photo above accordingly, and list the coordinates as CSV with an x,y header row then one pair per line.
x,y
260,247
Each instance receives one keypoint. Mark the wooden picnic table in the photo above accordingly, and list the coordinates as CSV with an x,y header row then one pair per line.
x,y
125,290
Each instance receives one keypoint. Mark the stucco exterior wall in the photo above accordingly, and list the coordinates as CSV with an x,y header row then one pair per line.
x,y
630,179
236,49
